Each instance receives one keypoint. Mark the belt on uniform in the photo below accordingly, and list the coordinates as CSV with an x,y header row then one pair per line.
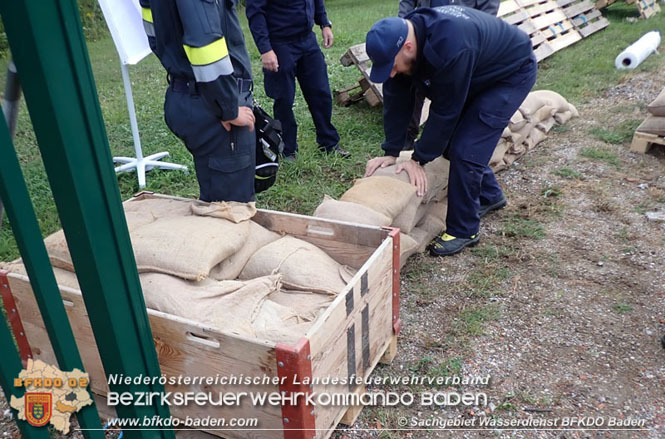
x,y
182,85
186,85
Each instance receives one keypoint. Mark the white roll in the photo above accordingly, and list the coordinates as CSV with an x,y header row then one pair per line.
x,y
637,52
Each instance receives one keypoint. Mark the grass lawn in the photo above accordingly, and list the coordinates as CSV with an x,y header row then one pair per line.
x,y
578,73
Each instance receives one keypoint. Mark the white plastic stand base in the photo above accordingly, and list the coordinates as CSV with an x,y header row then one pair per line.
x,y
139,163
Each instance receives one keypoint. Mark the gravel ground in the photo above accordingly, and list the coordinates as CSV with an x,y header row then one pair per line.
x,y
561,305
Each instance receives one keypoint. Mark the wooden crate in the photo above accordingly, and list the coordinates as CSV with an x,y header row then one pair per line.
x,y
584,15
350,337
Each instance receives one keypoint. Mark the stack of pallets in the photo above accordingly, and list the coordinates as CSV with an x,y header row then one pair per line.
x,y
551,24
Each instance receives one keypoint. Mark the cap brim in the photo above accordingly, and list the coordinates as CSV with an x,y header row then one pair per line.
x,y
380,73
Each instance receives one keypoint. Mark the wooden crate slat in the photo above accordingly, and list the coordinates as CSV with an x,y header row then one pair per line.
x,y
543,51
564,3
517,17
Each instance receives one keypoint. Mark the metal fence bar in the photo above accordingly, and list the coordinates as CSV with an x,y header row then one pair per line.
x,y
49,50
25,227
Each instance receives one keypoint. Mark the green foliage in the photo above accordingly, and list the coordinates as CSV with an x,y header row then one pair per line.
x,y
519,227
92,21
603,155
568,173
618,135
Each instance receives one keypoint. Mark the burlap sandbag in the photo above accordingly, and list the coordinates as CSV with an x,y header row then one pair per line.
x,y
159,207
386,195
657,106
280,324
537,99
653,125
257,237
305,304
546,125
409,217
563,117
535,138
350,212
543,113
187,247
437,174
407,247
303,266
499,152
508,159
232,306
432,224
521,135
64,278
231,210
518,148
58,251
517,121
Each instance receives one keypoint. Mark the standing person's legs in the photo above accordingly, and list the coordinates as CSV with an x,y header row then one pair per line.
x,y
312,74
476,136
281,86
223,173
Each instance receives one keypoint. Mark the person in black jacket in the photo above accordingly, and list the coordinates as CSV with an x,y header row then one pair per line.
x,y
282,31
208,103
406,6
477,70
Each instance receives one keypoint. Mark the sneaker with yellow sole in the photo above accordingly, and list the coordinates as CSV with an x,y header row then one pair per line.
x,y
447,245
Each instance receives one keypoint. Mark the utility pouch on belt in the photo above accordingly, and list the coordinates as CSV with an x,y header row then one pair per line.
x,y
269,146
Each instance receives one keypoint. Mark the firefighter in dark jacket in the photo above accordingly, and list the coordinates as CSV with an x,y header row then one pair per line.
x,y
477,70
406,6
282,31
208,102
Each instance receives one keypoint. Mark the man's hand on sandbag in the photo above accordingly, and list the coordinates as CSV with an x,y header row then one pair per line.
x,y
378,162
417,175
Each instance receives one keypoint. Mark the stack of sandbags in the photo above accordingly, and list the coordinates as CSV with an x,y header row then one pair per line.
x,y
389,199
655,122
188,254
539,112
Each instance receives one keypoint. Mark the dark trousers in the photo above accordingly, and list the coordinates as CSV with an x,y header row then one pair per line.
x,y
224,161
471,181
302,59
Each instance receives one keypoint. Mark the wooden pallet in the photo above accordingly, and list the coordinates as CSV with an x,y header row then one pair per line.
x,y
648,8
356,55
584,15
603,3
642,142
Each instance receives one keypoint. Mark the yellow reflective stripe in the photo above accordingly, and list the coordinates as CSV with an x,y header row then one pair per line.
x,y
207,54
146,13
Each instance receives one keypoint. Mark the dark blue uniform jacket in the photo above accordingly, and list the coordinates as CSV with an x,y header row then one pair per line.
x,y
283,20
461,52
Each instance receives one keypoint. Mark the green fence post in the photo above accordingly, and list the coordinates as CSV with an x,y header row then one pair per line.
x,y
51,57
25,227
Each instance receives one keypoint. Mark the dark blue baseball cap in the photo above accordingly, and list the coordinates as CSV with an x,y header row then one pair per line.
x,y
382,44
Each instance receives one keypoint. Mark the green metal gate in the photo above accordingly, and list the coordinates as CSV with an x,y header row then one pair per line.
x,y
50,53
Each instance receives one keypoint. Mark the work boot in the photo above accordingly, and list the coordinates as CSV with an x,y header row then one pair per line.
x,y
337,150
487,208
447,245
